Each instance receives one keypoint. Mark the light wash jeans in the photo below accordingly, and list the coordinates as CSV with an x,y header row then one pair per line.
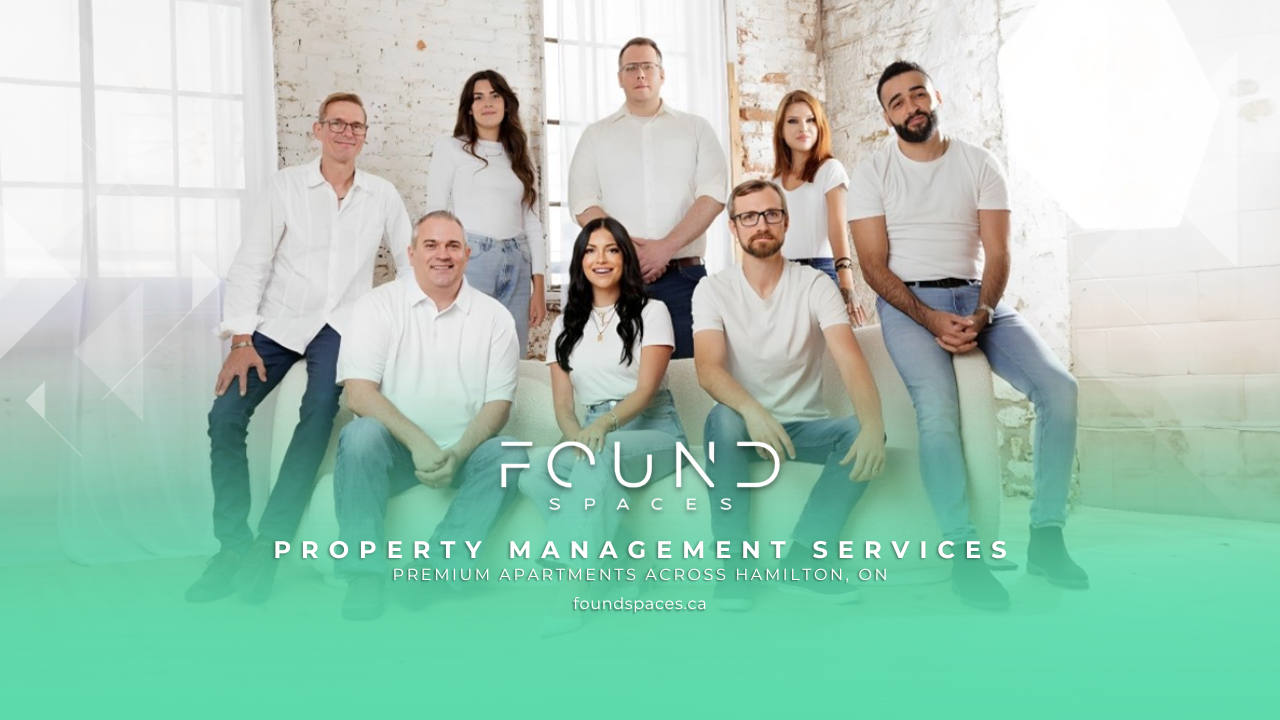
x,y
1017,354
503,270
372,467
654,432
821,442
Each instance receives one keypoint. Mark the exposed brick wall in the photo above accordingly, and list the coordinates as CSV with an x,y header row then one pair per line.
x,y
407,59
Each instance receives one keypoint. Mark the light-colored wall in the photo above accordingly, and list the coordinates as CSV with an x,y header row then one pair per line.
x,y
1176,332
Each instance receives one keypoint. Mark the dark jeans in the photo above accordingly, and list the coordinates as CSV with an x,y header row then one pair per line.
x,y
822,442
373,467
229,424
826,265
675,288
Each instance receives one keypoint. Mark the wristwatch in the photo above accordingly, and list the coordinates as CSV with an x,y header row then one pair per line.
x,y
991,312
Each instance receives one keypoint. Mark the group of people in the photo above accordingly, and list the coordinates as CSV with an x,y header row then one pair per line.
x,y
429,362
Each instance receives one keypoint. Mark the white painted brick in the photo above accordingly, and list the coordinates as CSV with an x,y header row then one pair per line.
x,y
1116,402
1098,255
1109,303
1228,348
1198,400
1094,453
1149,350
1220,295
1259,241
1172,298
1089,354
1181,249
1262,401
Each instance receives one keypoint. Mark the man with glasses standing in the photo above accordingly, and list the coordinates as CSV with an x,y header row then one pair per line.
x,y
659,172
759,331
306,256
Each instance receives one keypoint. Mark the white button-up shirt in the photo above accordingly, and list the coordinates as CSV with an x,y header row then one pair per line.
x,y
647,172
303,261
438,367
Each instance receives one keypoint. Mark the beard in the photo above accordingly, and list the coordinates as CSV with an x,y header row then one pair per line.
x,y
765,250
921,134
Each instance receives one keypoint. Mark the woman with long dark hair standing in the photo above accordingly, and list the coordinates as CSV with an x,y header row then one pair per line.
x,y
484,175
609,351
815,184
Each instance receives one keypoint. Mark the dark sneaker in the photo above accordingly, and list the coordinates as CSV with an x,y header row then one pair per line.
x,y
1047,557
215,583
413,592
733,595
973,582
364,600
257,572
834,591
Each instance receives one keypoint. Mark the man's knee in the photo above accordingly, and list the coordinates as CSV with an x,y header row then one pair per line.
x,y
363,437
724,424
230,412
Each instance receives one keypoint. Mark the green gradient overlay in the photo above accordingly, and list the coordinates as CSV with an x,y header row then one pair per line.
x,y
1180,622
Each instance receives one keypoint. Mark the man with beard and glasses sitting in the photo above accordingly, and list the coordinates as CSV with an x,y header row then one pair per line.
x,y
924,209
759,329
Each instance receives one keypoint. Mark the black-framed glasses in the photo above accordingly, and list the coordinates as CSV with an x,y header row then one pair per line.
x,y
751,219
635,68
340,126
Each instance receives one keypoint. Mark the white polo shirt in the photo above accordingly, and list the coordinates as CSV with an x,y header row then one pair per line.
x,y
930,208
807,211
648,171
303,261
775,345
437,367
597,371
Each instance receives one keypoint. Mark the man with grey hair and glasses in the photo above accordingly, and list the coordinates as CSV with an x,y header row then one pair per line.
x,y
307,254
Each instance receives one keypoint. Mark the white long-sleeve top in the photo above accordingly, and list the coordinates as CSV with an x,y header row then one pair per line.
x,y
486,198
303,261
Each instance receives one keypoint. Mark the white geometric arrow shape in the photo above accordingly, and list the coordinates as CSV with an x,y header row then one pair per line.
x,y
114,350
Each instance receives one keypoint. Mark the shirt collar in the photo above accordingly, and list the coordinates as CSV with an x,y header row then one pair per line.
x,y
663,109
315,178
414,294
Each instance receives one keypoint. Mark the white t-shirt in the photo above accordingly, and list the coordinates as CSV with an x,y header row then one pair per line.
x,y
807,210
437,367
598,373
488,199
930,208
774,346
648,172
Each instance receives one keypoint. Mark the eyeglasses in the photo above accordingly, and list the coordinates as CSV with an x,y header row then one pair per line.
x,y
340,126
751,219
636,68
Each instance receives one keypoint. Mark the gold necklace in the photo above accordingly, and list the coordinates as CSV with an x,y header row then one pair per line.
x,y
602,322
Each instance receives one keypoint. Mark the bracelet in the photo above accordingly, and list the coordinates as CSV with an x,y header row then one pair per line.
x,y
991,312
615,419
844,263
246,343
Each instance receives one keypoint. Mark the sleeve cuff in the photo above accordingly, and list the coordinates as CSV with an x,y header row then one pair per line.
x,y
237,326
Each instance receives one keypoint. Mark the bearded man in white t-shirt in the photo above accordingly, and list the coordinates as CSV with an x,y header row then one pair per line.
x,y
924,209
430,368
759,329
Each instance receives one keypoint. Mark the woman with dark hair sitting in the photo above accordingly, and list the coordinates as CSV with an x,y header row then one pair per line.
x,y
608,351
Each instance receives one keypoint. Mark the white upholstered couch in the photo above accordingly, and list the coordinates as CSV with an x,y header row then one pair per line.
x,y
894,508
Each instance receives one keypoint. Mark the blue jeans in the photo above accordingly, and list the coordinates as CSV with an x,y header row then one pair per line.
x,y
675,288
823,442
649,437
373,467
503,270
1018,355
826,265
229,425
